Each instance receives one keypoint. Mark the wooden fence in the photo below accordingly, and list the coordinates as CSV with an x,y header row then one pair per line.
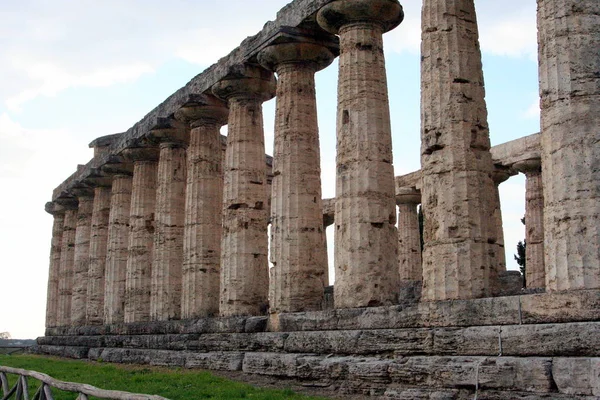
x,y
20,390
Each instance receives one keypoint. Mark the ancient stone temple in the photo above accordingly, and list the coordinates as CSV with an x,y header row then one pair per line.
x,y
160,245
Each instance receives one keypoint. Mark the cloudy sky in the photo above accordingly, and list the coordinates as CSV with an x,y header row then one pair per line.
x,y
75,70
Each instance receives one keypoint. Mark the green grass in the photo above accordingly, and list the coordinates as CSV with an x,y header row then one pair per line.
x,y
172,383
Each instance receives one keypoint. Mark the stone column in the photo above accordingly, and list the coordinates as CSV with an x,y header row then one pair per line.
x,y
298,249
165,292
409,236
498,176
97,261
569,39
366,239
535,273
65,275
141,233
244,264
203,208
116,252
81,263
460,251
53,294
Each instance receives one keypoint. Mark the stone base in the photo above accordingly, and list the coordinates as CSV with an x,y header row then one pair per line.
x,y
520,347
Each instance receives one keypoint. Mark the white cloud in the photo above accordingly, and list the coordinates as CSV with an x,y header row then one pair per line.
x,y
533,111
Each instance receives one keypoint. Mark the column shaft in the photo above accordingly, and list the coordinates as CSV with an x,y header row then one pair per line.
x,y
365,236
141,241
97,261
460,255
54,270
244,264
534,230
409,243
65,277
116,252
202,233
297,237
165,301
569,39
81,261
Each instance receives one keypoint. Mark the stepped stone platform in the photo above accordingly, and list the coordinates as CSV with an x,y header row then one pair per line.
x,y
531,346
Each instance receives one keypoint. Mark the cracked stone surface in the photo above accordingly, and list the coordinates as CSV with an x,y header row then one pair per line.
x,y
116,252
461,249
409,237
569,39
366,239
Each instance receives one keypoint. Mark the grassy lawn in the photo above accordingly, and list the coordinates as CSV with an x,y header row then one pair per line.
x,y
172,383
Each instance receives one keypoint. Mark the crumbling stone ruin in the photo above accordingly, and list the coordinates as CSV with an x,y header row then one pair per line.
x,y
159,247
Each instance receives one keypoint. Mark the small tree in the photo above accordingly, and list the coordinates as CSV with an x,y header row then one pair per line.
x,y
520,257
5,335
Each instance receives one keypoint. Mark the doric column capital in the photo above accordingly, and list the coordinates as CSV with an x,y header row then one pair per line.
x,y
137,154
408,195
117,165
328,212
102,144
246,81
203,109
169,130
298,51
387,13
53,208
82,192
500,175
67,203
533,165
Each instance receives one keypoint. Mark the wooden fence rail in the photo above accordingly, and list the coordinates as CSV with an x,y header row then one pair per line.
x,y
21,390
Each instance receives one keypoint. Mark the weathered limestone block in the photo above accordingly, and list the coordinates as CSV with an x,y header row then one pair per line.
x,y
53,293
97,253
366,239
582,305
577,376
63,351
81,261
244,266
266,341
409,237
116,252
298,252
203,208
141,233
226,361
569,38
65,276
457,189
534,223
165,292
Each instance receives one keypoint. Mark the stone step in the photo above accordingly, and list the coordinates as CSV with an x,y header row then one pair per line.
x,y
543,308
571,339
398,377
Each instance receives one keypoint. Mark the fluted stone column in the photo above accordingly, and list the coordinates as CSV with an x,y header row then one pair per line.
x,y
58,213
569,61
116,252
409,236
165,293
97,260
244,246
460,251
203,208
141,233
298,251
498,176
535,273
366,239
81,263
67,258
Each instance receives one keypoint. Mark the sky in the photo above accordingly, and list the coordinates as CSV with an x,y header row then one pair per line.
x,y
72,71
